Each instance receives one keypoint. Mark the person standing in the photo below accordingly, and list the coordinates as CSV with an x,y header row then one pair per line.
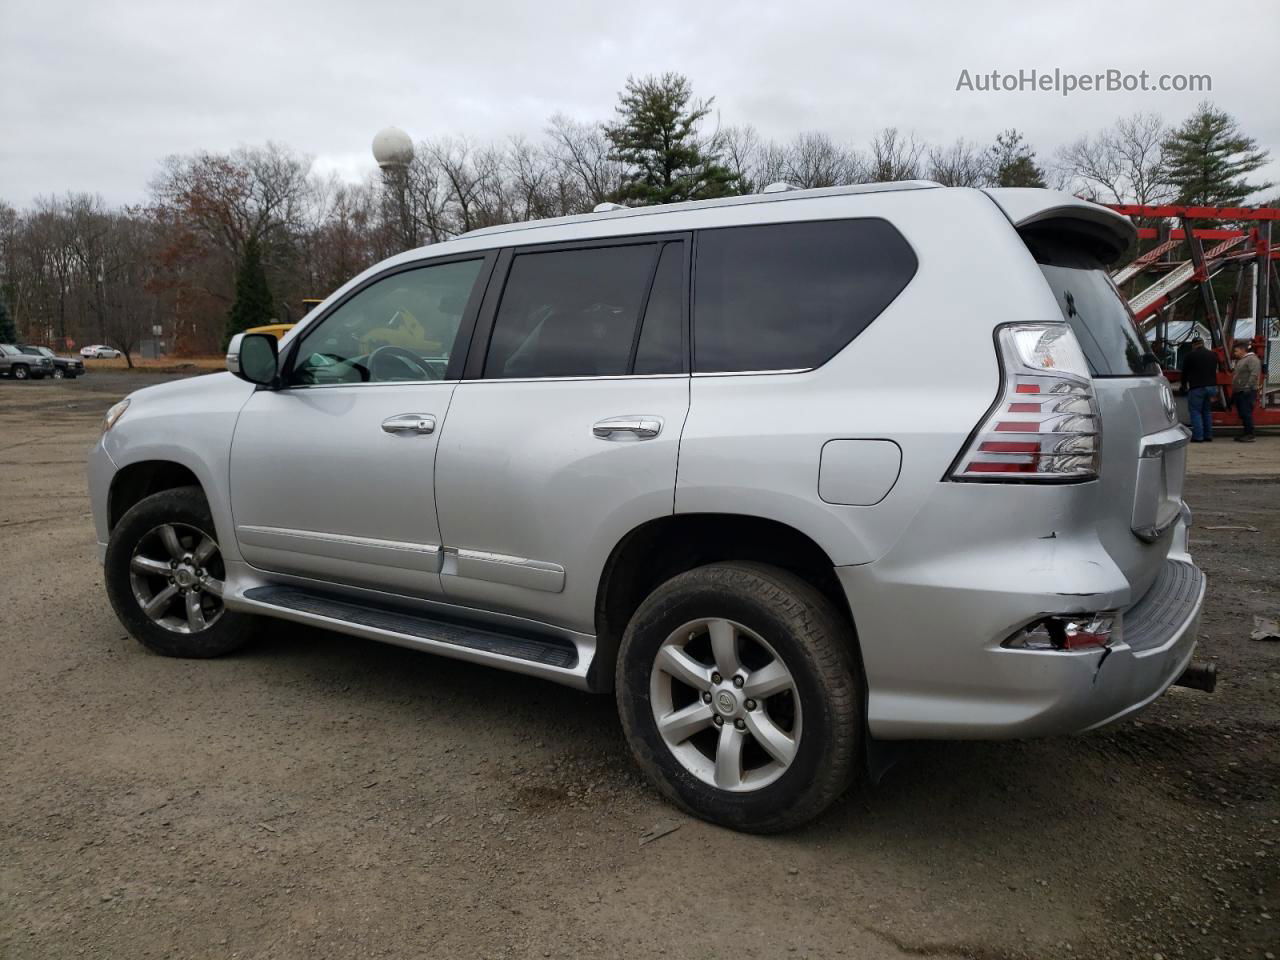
x,y
1200,384
1244,388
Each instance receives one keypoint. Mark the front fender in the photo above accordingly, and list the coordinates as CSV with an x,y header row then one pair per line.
x,y
190,423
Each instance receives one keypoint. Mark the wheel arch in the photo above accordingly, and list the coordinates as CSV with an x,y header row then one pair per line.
x,y
137,481
659,549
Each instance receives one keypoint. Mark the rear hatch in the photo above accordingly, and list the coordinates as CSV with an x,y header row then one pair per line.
x,y
1143,447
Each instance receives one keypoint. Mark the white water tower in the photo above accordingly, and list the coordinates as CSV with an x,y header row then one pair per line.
x,y
393,150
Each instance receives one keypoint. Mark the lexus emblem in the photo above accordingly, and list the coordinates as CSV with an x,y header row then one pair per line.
x,y
1166,398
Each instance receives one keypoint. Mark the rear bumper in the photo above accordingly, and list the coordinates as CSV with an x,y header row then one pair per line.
x,y
1141,671
929,678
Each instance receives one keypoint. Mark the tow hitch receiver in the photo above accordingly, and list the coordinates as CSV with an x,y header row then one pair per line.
x,y
1199,675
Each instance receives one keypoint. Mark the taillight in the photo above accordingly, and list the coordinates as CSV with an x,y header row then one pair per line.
x,y
1085,631
1045,426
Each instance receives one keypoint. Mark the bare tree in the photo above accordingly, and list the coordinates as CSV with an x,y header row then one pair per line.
x,y
1123,164
582,152
963,164
536,183
894,156
813,159
257,192
743,152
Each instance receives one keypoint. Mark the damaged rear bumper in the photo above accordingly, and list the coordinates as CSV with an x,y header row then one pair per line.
x,y
934,682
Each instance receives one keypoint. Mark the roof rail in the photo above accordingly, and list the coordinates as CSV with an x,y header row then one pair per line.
x,y
767,197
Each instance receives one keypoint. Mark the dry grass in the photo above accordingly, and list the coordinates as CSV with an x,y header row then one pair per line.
x,y
159,364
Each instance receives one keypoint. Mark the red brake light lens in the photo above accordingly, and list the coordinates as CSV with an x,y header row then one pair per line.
x,y
1045,426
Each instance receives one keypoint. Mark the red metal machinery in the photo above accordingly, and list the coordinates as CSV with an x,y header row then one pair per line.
x,y
1247,242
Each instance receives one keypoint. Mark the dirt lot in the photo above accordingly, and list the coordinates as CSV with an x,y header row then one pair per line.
x,y
322,797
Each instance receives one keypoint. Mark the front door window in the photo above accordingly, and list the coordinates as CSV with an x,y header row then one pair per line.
x,y
401,328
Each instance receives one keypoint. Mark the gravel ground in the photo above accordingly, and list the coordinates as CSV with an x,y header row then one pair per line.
x,y
318,796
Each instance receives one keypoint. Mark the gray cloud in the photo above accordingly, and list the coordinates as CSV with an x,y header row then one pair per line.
x,y
92,95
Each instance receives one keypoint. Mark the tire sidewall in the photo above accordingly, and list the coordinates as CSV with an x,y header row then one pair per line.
x,y
182,505
20,373
692,600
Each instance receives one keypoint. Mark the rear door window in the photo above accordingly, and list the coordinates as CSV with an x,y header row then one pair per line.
x,y
792,295
1099,316
571,313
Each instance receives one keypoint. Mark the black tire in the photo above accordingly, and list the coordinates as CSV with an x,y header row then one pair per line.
x,y
182,505
816,644
20,372
58,373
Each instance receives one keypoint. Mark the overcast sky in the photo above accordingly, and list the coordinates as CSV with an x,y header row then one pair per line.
x,y
93,93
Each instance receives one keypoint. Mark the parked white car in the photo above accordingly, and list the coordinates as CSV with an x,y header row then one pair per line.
x,y
787,474
100,352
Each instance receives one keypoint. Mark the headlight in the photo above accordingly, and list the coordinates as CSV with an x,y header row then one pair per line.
x,y
114,414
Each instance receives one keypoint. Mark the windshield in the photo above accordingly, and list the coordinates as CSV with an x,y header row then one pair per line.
x,y
1099,316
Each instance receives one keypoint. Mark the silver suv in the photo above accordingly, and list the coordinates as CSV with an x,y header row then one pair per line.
x,y
788,474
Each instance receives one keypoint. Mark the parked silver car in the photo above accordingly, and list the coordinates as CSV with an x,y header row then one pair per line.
x,y
787,473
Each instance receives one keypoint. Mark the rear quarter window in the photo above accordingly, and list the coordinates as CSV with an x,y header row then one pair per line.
x,y
791,296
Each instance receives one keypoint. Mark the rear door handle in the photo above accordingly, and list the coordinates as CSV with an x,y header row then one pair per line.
x,y
622,428
410,423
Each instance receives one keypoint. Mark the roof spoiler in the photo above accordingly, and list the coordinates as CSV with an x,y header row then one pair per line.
x,y
1031,210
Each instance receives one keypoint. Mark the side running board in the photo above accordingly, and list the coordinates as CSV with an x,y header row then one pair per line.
x,y
555,658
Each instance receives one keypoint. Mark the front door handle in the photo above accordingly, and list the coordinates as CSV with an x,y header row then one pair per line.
x,y
624,428
410,423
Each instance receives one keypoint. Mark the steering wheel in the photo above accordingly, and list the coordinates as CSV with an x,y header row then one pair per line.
x,y
379,368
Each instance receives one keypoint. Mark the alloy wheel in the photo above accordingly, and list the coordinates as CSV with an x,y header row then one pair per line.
x,y
177,575
725,705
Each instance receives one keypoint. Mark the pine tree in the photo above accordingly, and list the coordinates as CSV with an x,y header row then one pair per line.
x,y
253,306
8,332
656,136
1012,162
1208,159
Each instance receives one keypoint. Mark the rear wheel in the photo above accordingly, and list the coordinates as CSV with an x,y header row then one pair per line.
x,y
740,696
165,578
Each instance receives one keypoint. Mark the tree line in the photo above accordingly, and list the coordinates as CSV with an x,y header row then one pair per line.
x,y
230,240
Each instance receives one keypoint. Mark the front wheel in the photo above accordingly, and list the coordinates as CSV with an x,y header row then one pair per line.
x,y
21,373
58,373
165,578
740,695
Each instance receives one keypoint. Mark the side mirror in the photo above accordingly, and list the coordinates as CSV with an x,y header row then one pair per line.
x,y
253,357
